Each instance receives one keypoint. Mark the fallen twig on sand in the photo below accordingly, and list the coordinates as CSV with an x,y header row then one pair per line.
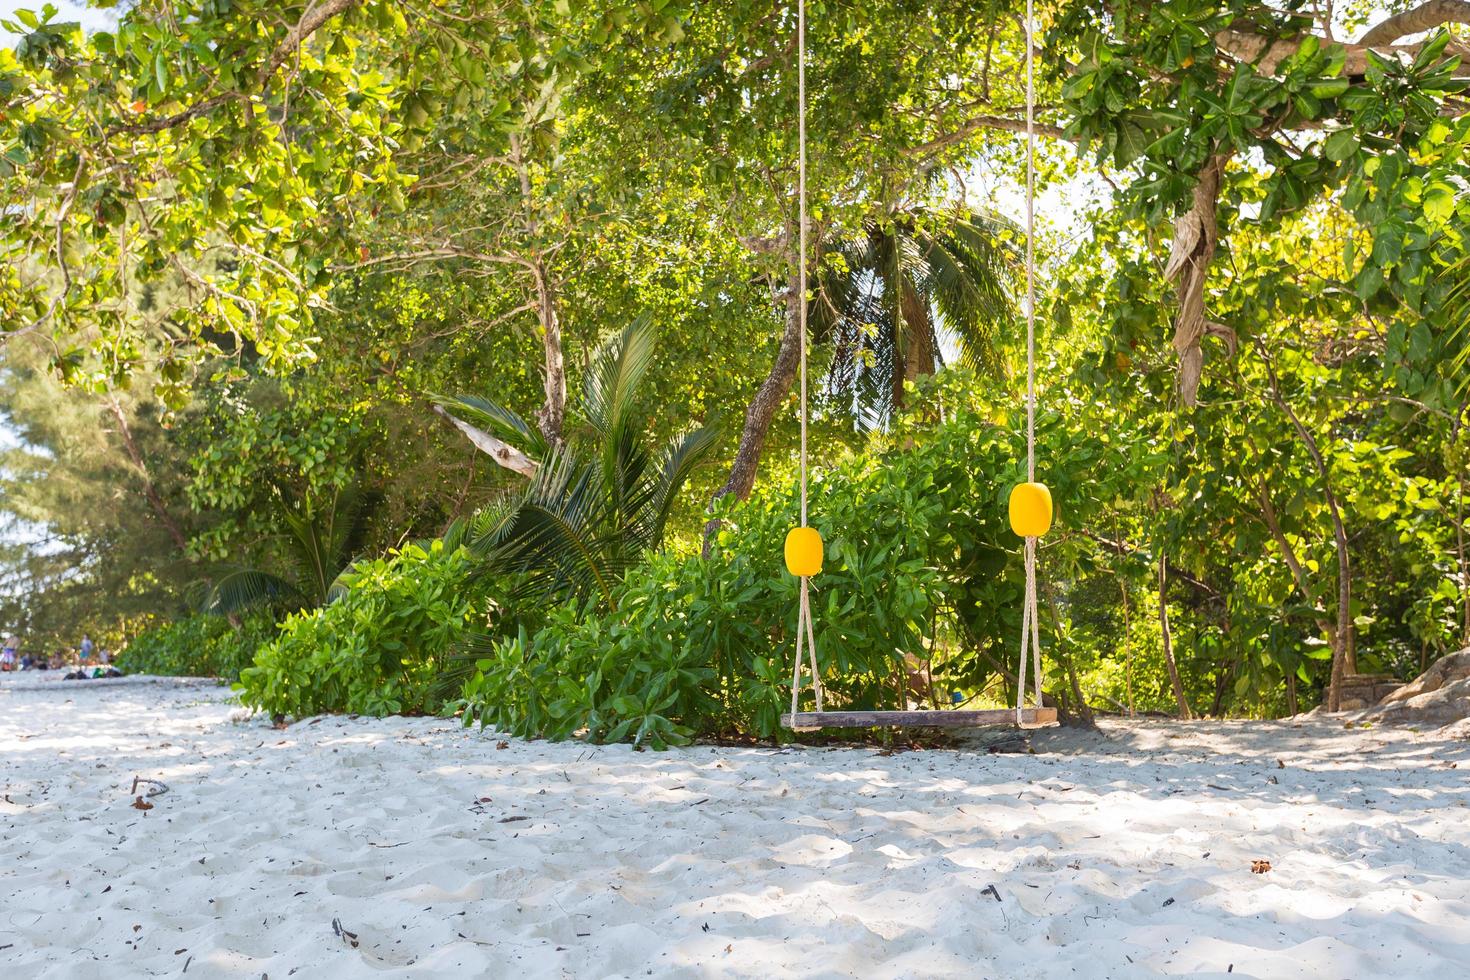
x,y
349,937
158,788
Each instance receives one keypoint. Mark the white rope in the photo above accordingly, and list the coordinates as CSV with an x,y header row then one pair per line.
x,y
801,222
1030,251
804,630
1030,631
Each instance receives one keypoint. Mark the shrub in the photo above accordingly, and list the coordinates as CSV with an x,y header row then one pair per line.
x,y
703,646
200,645
594,673
921,571
379,649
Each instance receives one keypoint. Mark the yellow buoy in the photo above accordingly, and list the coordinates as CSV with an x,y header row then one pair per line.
x,y
1030,509
803,552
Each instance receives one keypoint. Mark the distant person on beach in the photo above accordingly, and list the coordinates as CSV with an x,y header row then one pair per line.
x,y
84,652
7,653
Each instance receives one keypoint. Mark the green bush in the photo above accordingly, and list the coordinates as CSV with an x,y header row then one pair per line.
x,y
379,649
703,646
921,571
594,673
200,645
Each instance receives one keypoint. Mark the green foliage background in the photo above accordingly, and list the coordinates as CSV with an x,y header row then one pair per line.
x,y
203,311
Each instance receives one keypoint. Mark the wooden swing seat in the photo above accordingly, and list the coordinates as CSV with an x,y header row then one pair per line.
x,y
814,720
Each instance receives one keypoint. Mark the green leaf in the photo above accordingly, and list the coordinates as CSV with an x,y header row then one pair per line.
x,y
1341,145
1439,202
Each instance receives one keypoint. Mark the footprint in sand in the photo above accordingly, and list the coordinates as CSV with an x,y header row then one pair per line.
x,y
812,851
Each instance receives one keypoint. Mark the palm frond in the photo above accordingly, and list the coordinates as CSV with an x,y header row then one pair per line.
x,y
1458,303
614,375
972,306
680,456
610,403
596,504
321,533
911,281
250,588
552,533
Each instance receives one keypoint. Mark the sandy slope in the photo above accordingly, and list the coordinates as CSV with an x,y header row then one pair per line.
x,y
445,855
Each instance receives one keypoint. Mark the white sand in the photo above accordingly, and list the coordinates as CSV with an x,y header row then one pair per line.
x,y
1116,857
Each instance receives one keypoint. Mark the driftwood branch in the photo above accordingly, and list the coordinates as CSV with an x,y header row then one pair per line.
x,y
499,450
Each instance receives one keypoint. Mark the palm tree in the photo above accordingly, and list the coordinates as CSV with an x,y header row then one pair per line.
x,y
322,533
595,505
899,289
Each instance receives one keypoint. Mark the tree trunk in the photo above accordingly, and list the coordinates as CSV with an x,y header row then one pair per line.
x,y
150,491
1344,656
552,414
763,407
1084,710
917,357
1127,647
1464,567
1082,714
1222,684
1174,681
1196,234
1288,555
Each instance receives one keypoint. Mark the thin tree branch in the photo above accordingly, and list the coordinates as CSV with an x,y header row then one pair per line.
x,y
1425,17
976,123
311,21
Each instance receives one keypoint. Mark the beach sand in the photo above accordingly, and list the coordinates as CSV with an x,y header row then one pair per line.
x,y
446,852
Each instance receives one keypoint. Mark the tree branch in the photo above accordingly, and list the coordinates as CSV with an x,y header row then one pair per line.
x,y
150,489
1268,53
1173,571
447,251
502,452
311,21
1425,17
977,123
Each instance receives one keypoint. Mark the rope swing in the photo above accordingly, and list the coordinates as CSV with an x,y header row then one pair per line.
x,y
1030,505
803,544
